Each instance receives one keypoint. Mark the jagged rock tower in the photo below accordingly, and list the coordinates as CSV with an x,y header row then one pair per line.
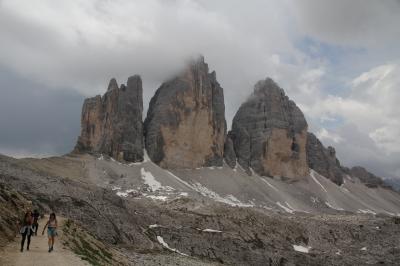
x,y
112,124
323,160
185,125
269,134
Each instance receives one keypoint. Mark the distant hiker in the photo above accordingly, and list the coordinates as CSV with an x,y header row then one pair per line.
x,y
26,230
51,230
35,224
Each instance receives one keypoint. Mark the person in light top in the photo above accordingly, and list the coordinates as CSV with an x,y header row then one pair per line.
x,y
51,230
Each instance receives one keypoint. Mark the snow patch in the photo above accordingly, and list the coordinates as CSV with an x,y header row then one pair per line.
x,y
366,211
301,248
211,231
162,242
332,207
180,180
154,226
114,161
312,174
364,249
314,199
150,180
204,191
229,199
115,188
345,189
287,209
161,198
269,184
125,193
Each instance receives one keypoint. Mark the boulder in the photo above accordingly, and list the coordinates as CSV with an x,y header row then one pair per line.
x,y
112,124
185,125
269,133
323,160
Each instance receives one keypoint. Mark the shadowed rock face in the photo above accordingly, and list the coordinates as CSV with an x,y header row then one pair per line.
x,y
112,124
269,133
323,160
185,125
366,177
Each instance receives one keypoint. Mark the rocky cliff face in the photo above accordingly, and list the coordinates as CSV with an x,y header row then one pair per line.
x,y
323,160
366,177
112,124
185,125
269,133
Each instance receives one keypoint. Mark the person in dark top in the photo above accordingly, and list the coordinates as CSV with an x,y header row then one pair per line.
x,y
35,224
26,230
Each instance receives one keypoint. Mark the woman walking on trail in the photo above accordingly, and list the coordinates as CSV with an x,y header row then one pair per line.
x,y
51,230
26,230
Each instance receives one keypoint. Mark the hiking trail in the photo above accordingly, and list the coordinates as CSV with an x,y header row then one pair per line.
x,y
38,254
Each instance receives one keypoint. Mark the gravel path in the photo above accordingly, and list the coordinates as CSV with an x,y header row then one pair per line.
x,y
38,254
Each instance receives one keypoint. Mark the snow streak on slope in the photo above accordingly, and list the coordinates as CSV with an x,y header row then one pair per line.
x,y
162,242
229,199
332,207
269,184
287,209
150,180
237,188
204,191
312,174
301,248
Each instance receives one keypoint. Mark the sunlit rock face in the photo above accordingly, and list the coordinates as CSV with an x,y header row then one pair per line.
x,y
185,125
112,124
269,133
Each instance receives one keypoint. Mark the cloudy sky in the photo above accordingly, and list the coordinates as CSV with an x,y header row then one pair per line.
x,y
338,59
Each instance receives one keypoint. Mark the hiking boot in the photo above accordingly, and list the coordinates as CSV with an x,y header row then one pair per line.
x,y
49,250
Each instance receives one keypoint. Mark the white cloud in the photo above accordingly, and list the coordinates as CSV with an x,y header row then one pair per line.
x,y
370,128
324,134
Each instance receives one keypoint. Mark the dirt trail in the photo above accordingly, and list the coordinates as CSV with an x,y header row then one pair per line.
x,y
38,254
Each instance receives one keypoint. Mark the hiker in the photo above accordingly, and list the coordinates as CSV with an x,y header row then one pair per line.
x,y
51,230
26,230
35,224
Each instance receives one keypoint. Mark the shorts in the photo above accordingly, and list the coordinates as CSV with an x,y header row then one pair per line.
x,y
51,231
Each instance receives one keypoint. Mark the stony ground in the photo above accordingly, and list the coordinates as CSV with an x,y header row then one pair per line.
x,y
189,231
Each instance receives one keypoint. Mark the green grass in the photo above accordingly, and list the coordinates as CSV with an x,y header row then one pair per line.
x,y
87,250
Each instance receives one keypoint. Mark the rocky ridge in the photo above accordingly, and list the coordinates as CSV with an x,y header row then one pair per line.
x,y
323,160
185,128
366,177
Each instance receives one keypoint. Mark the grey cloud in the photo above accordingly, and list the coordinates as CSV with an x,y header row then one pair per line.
x,y
35,119
356,22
